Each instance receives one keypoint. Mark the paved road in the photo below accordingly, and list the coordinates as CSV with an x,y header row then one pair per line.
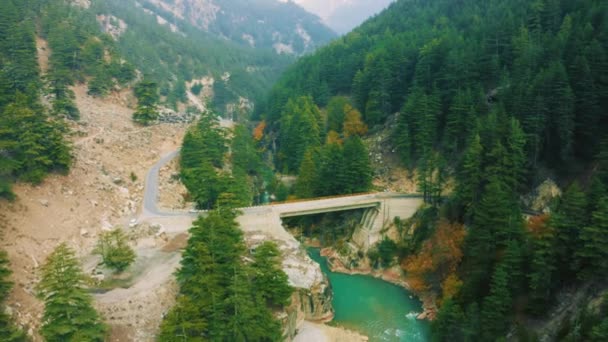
x,y
151,210
150,206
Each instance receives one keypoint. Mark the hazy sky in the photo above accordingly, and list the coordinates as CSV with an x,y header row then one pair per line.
x,y
344,15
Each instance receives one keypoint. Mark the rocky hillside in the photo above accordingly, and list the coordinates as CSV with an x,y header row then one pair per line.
x,y
282,26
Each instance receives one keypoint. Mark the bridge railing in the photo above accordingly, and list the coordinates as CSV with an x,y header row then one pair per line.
x,y
301,200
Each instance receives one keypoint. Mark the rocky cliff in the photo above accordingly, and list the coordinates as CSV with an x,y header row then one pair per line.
x,y
312,296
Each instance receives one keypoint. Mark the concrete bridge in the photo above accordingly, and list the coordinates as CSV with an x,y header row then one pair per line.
x,y
380,209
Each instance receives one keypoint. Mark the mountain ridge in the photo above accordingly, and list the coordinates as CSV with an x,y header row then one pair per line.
x,y
282,26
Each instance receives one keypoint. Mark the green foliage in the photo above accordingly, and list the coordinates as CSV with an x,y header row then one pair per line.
x,y
307,176
300,130
147,99
32,145
270,281
171,58
222,297
68,311
203,154
335,169
593,238
496,307
114,250
387,250
357,166
571,215
600,332
335,113
196,89
222,95
448,324
79,50
8,332
444,66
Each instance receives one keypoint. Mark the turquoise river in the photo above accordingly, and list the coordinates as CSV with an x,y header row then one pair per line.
x,y
376,308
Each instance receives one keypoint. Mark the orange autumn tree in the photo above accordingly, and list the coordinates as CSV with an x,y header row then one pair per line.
x,y
353,124
258,132
435,266
538,226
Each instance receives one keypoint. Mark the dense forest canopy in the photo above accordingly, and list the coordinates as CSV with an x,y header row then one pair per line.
x,y
439,63
498,96
32,143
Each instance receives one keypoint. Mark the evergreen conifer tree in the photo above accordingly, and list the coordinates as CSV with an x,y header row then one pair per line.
x,y
68,311
594,239
307,177
8,332
357,168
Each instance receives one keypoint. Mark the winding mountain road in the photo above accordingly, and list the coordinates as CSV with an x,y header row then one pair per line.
x,y
150,200
150,208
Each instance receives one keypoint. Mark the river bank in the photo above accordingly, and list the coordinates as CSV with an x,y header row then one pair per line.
x,y
393,275
379,309
310,331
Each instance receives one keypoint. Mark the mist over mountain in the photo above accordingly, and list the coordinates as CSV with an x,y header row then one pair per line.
x,y
283,26
344,15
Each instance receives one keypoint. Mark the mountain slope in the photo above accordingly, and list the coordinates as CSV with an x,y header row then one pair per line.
x,y
484,100
177,55
284,27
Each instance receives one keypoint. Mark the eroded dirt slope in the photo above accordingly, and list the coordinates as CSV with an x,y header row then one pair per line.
x,y
103,190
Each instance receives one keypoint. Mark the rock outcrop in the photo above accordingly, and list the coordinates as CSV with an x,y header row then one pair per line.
x,y
312,296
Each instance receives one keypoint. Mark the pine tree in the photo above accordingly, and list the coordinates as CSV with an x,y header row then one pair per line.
x,y
496,306
68,312
299,131
496,222
457,121
542,266
114,250
587,134
449,322
147,98
357,168
270,281
331,170
594,239
307,177
184,322
8,332
469,176
335,113
402,139
568,220
217,301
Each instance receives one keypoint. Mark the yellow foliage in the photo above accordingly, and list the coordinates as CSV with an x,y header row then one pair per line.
x,y
333,138
450,286
353,125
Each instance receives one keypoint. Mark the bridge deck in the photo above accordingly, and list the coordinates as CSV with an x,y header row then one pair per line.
x,y
325,205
